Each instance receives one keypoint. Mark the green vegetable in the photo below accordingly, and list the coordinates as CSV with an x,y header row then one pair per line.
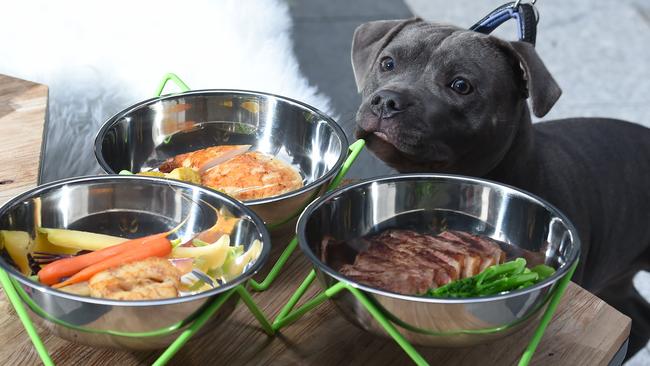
x,y
543,271
125,172
495,279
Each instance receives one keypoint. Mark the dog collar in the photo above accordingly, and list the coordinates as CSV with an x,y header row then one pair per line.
x,y
524,13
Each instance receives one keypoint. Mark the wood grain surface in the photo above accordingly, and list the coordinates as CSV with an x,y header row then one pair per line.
x,y
23,106
584,331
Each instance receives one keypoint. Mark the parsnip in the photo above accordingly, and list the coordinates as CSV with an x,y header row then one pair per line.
x,y
80,240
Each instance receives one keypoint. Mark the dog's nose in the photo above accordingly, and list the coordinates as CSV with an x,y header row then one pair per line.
x,y
387,103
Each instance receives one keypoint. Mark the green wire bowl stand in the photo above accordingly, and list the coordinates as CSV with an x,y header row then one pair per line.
x,y
288,313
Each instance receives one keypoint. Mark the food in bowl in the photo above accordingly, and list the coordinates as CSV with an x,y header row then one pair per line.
x,y
145,268
234,170
450,264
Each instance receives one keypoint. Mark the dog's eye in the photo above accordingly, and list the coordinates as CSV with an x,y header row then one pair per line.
x,y
387,64
461,86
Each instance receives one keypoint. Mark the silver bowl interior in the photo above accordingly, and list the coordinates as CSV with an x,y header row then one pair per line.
x,y
129,207
144,135
431,203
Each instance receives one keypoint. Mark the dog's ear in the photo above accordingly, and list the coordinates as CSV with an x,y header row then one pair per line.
x,y
368,40
542,88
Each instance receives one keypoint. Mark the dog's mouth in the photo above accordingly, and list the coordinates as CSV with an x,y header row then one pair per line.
x,y
364,134
402,159
400,144
381,136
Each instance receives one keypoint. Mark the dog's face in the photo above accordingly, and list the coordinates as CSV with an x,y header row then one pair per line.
x,y
439,98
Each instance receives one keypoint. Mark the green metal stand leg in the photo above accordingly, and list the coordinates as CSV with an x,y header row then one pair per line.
x,y
287,315
389,327
206,315
547,317
14,298
257,312
277,268
286,309
189,332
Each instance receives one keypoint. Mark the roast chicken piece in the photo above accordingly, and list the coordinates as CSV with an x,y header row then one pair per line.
x,y
149,279
244,175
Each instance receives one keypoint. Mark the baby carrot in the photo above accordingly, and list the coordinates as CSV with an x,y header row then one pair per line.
x,y
53,272
158,247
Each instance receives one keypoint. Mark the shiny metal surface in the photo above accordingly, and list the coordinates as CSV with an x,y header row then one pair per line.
x,y
430,203
126,206
144,135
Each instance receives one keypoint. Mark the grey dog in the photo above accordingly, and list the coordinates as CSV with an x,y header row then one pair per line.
x,y
437,98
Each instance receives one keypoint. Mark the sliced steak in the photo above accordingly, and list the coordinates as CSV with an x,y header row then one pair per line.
x,y
492,253
408,262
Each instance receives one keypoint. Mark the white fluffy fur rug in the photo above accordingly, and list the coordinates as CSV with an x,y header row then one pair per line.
x,y
99,57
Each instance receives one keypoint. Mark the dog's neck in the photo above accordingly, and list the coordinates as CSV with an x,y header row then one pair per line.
x,y
519,158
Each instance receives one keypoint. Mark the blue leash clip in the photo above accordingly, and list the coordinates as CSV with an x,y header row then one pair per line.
x,y
524,13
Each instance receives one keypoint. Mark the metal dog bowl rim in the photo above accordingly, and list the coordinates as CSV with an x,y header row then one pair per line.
x,y
37,191
573,256
207,92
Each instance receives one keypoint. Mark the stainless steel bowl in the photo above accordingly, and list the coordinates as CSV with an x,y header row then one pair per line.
x,y
430,203
144,135
125,206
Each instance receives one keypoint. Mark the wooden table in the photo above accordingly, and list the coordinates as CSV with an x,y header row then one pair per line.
x,y
585,330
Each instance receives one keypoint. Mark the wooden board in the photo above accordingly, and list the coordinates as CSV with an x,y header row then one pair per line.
x,y
585,330
23,106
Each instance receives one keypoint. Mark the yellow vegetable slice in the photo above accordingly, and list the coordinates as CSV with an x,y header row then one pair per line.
x,y
80,240
41,244
212,255
185,174
152,174
236,267
17,244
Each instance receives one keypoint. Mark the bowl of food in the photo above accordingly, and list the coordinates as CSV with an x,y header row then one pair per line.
x,y
450,260
273,153
125,261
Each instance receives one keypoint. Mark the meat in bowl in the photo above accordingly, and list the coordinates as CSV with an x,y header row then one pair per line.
x,y
450,264
234,170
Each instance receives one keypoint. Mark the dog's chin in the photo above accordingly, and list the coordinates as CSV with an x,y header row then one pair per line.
x,y
402,160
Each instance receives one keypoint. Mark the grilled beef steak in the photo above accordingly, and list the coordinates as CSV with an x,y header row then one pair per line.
x,y
408,262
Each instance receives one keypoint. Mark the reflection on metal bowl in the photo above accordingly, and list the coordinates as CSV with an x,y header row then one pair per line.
x,y
146,134
125,206
431,203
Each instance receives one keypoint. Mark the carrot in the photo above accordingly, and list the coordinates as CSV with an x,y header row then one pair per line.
x,y
53,272
158,247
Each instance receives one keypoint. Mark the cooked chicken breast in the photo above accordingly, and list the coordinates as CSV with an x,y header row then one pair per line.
x,y
149,279
252,175
248,176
